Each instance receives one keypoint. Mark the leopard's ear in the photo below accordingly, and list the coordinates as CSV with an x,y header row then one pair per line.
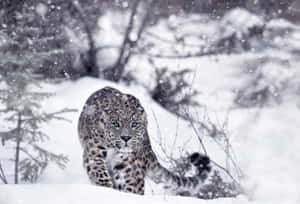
x,y
144,116
140,109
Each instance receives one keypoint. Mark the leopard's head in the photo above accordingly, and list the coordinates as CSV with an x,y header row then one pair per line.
x,y
125,121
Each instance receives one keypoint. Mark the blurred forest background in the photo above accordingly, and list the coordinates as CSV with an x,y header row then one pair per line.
x,y
100,38
61,39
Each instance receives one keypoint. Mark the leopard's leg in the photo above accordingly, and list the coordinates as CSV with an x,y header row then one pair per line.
x,y
139,174
129,176
98,173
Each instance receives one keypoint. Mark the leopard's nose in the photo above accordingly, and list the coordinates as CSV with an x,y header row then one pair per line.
x,y
125,138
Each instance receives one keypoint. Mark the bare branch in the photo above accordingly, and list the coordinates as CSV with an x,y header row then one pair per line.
x,y
30,156
140,31
2,175
51,116
116,71
146,18
227,172
17,149
171,42
198,136
106,47
126,50
212,52
54,114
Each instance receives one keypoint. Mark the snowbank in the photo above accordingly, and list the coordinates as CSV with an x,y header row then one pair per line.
x,y
78,194
266,145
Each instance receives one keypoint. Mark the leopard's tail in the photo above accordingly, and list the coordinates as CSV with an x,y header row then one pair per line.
x,y
160,174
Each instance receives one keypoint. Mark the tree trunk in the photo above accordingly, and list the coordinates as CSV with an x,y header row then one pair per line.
x,y
90,63
115,73
18,142
91,66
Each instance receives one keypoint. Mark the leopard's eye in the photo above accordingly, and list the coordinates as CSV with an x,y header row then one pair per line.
x,y
134,124
116,124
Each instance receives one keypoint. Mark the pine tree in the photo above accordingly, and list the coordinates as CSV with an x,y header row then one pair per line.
x,y
34,39
21,110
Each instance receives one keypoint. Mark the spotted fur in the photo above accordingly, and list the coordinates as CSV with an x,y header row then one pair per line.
x,y
116,148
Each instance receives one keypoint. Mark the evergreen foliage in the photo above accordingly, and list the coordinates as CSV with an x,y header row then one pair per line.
x,y
21,110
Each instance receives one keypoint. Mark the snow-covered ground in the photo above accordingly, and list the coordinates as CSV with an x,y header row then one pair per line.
x,y
80,193
266,145
266,141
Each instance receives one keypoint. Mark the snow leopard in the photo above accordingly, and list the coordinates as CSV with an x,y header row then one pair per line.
x,y
117,152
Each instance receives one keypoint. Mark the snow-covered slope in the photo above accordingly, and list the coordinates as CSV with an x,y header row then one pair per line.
x,y
266,145
78,194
